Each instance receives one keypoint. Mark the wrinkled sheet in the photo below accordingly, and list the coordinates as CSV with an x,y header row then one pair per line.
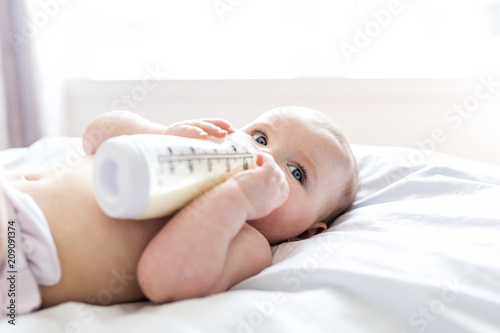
x,y
419,251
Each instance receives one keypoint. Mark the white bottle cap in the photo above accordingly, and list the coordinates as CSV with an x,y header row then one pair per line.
x,y
121,178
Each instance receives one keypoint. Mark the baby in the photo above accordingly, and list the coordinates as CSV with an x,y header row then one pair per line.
x,y
305,177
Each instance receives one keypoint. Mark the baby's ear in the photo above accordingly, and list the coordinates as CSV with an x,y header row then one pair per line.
x,y
315,229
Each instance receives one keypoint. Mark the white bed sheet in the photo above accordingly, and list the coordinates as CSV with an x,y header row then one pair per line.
x,y
418,252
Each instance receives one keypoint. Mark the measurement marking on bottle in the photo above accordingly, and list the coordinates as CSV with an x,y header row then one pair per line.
x,y
212,156
179,158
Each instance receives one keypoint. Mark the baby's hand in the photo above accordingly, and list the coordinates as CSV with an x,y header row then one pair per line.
x,y
265,187
200,129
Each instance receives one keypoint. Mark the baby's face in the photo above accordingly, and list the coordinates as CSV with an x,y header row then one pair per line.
x,y
314,166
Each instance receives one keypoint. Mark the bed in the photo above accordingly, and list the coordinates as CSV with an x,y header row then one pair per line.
x,y
419,251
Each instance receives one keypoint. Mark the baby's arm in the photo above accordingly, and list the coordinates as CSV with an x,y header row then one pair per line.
x,y
116,123
207,247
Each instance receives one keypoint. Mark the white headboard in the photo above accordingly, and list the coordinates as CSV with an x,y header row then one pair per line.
x,y
416,113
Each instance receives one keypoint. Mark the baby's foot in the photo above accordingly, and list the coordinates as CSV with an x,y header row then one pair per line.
x,y
265,187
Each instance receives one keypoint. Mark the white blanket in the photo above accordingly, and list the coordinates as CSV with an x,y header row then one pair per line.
x,y
418,252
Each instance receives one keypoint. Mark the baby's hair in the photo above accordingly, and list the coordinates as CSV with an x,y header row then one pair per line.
x,y
351,186
348,194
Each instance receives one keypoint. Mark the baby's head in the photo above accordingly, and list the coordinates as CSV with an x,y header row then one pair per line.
x,y
320,168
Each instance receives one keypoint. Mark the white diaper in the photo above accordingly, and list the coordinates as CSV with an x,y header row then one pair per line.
x,y
32,260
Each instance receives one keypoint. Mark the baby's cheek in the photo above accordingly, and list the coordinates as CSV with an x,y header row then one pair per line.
x,y
271,224
282,217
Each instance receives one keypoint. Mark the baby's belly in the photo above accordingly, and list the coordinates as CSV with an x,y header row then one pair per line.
x,y
98,254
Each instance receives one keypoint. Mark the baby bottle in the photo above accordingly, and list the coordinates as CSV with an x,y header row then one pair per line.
x,y
143,176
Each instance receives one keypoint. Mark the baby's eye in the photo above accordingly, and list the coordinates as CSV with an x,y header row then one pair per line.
x,y
260,139
296,172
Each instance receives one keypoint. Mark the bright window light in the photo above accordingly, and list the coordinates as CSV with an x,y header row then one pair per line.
x,y
260,39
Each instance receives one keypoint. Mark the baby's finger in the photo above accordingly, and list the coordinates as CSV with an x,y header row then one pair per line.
x,y
190,131
221,123
212,129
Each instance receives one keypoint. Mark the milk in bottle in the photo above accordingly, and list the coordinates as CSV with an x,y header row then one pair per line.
x,y
143,176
